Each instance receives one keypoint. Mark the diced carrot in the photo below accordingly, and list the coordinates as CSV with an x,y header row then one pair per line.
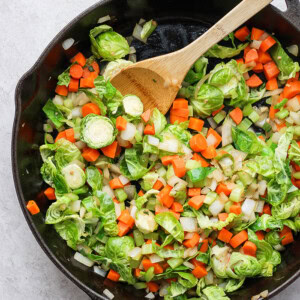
x,y
197,201
126,218
174,118
254,81
196,124
293,78
73,85
180,112
204,246
175,214
196,262
141,193
113,275
123,229
192,242
169,247
223,188
110,150
217,111
225,235
137,272
285,230
272,112
90,154
258,68
252,55
267,209
256,33
159,208
198,143
199,272
246,50
115,200
61,135
261,137
90,108
158,185
167,160
179,167
62,90
291,89
264,57
235,209
177,207
121,123
236,115
209,153
211,242
270,70
240,61
199,158
50,193
180,103
32,207
223,216
146,115
239,239
158,269
242,33
249,248
218,138
164,196
149,129
287,236
86,72
272,84
152,286
267,44
260,235
79,58
194,192
70,135
95,66
116,183
87,82
76,71
147,264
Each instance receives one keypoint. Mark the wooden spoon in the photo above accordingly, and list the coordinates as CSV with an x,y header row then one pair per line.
x,y
157,80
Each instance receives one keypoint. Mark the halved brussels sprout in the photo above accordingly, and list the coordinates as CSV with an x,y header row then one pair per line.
x,y
114,67
97,131
145,221
74,176
133,105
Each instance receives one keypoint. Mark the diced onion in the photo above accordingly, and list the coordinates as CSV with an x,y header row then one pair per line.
x,y
211,140
189,265
273,93
248,207
163,291
132,50
246,76
99,271
135,252
82,98
104,19
132,58
162,180
68,43
83,260
150,296
129,133
262,186
255,44
80,145
76,112
115,169
117,209
279,247
186,150
223,197
295,116
263,36
133,211
275,137
209,278
205,190
137,33
189,235
75,206
293,104
130,191
259,206
155,258
122,142
108,191
174,180
140,128
58,100
153,157
124,179
216,207
293,49
226,133
169,145
212,123
153,140
108,294
188,224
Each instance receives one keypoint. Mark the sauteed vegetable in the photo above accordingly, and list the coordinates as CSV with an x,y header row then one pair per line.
x,y
187,205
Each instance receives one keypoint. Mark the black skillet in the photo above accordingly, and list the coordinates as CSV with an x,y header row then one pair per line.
x,y
180,22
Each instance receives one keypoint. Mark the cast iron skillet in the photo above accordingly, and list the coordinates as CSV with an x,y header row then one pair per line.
x,y
180,22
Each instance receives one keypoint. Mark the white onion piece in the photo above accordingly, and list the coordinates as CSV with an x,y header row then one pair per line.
x,y
188,224
68,43
211,140
80,145
106,173
259,206
218,175
189,265
214,219
83,260
205,190
213,185
212,123
58,100
150,296
124,179
174,180
153,157
140,128
263,36
137,33
223,197
216,207
226,133
246,76
99,271
275,137
76,112
155,258
108,294
129,133
262,186
75,206
133,210
130,191
152,140
293,104
132,50
188,235
295,116
82,98
255,44
169,145
279,247
162,180
248,207
122,142
250,64
108,191
118,210
104,19
132,58
115,169
163,291
209,278
186,150
293,49
273,93
135,252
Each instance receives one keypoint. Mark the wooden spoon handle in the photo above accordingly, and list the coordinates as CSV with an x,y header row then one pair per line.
x,y
235,18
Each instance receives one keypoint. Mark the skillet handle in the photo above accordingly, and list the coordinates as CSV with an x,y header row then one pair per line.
x,y
293,11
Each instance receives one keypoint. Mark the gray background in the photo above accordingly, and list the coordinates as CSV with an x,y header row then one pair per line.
x,y
27,26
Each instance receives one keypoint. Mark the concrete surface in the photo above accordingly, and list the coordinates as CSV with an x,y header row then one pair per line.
x,y
27,26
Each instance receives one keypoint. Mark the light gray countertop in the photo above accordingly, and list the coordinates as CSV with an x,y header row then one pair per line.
x,y
27,26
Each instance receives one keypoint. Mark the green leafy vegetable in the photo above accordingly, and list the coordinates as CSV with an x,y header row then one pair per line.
x,y
267,222
199,174
159,121
94,178
54,114
224,52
